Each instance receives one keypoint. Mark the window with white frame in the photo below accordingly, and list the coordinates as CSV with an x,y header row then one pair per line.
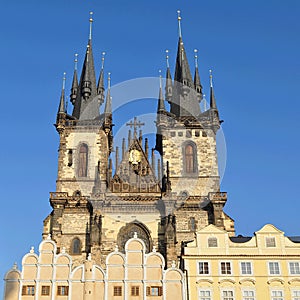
x,y
227,295
270,242
204,295
246,268
277,295
225,267
203,267
248,295
296,295
274,268
294,268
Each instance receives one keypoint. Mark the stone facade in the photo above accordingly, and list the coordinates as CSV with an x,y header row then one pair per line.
x,y
101,206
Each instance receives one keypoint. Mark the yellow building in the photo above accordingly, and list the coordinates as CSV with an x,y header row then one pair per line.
x,y
130,275
265,266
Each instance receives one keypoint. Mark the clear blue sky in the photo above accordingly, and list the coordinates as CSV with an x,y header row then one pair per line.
x,y
252,46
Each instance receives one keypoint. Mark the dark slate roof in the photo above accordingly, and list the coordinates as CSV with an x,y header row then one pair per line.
x,y
240,239
295,239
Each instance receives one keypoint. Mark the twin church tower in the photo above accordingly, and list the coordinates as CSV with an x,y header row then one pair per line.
x,y
164,195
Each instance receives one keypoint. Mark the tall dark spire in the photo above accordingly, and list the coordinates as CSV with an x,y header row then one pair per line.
x,y
184,100
86,105
100,85
213,104
62,105
197,82
169,84
161,104
107,109
182,69
74,88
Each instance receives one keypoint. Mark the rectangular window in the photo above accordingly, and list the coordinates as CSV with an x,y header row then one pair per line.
x,y
212,242
204,295
270,242
246,268
294,268
277,295
63,290
295,295
274,268
45,290
203,267
135,291
227,295
225,268
28,290
154,291
117,291
248,295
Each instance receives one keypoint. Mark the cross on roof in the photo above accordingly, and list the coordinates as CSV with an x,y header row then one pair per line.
x,y
135,124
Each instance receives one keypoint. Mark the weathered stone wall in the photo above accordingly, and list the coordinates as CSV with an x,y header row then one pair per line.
x,y
206,177
68,179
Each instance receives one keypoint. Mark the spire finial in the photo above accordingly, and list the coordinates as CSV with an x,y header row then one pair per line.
x,y
64,81
179,23
167,58
160,79
196,57
76,61
91,25
211,78
102,60
108,80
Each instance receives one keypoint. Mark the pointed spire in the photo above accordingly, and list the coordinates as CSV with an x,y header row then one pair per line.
x,y
123,148
85,107
197,82
74,88
182,70
213,104
179,23
117,157
100,86
62,107
91,25
107,109
161,104
169,85
146,148
129,138
153,160
159,170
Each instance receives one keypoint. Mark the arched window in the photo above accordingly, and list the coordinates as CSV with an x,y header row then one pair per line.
x,y
190,159
83,160
76,246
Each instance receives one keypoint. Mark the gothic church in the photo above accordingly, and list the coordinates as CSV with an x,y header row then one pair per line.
x,y
95,209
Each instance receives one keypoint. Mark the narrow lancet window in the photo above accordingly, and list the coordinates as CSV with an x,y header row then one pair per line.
x,y
75,248
190,158
83,161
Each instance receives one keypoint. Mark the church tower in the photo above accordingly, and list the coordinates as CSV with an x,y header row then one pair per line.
x,y
96,207
186,141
